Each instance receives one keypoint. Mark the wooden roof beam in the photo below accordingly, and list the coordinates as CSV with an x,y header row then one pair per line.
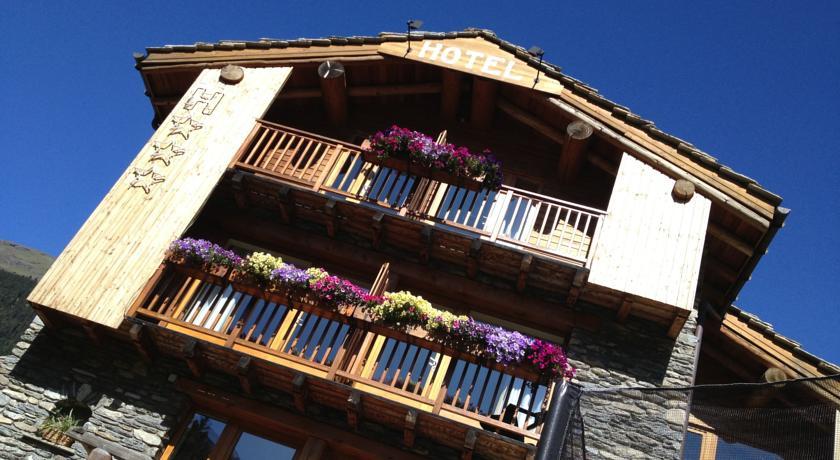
x,y
527,119
334,88
366,91
483,108
571,158
725,236
450,95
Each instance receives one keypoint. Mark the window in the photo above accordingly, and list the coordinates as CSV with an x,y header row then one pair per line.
x,y
205,437
253,447
701,443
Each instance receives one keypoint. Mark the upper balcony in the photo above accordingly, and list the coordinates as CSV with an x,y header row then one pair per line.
x,y
509,216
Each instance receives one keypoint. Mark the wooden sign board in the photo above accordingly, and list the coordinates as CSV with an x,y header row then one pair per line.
x,y
105,266
474,56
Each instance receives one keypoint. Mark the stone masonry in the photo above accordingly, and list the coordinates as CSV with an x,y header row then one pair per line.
x,y
132,404
629,424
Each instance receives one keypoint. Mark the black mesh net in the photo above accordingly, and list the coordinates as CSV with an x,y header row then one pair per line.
x,y
795,419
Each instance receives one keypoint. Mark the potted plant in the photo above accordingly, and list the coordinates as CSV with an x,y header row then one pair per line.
x,y
288,283
253,275
419,154
55,427
202,257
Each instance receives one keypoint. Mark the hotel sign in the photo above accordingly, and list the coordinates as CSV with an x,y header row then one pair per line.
x,y
474,56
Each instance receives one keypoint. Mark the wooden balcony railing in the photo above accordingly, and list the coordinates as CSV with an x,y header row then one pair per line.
x,y
347,347
509,215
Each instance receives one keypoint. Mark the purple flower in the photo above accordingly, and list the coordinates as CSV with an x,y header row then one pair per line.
x,y
204,252
290,276
422,150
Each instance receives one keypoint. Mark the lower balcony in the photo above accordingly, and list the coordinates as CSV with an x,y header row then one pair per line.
x,y
454,397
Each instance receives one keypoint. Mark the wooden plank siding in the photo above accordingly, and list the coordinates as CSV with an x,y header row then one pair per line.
x,y
106,264
650,245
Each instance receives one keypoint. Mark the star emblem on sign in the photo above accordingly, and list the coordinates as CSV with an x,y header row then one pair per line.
x,y
166,151
145,179
183,126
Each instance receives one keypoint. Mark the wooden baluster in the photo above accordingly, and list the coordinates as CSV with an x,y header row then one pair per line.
x,y
263,132
270,147
329,162
500,217
439,387
372,357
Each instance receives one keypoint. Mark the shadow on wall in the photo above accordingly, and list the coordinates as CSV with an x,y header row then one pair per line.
x,y
634,353
111,391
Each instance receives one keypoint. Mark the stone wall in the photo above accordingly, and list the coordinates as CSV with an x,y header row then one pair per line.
x,y
631,423
132,404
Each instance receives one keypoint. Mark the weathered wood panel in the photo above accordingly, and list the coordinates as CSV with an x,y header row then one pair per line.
x,y
650,245
103,268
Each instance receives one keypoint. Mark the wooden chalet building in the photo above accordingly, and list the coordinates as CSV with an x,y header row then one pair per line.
x,y
605,237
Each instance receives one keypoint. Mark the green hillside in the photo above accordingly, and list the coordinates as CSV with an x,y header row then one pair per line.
x,y
20,268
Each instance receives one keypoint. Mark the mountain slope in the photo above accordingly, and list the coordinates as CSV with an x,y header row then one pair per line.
x,y
22,260
20,268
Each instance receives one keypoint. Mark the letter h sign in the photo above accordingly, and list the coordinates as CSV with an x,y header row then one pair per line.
x,y
202,96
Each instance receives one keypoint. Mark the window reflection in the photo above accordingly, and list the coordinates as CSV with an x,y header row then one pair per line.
x,y
252,447
736,450
691,448
200,437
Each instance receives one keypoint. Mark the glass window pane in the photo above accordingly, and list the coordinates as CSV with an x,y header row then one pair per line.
x,y
252,447
736,450
691,449
200,437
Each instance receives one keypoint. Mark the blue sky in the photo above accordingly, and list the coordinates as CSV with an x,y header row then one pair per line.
x,y
756,84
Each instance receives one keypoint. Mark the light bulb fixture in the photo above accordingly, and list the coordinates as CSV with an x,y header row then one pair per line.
x,y
412,24
536,51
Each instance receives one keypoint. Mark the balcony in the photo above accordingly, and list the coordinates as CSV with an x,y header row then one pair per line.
x,y
509,216
346,348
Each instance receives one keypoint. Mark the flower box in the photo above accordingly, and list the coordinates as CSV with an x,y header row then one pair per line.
x,y
419,154
56,437
245,283
204,272
397,163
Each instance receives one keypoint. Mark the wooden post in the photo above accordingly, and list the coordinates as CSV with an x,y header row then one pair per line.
x,y
192,355
524,268
571,158
377,229
331,217
334,89
450,95
354,402
469,444
313,449
245,372
484,94
238,189
426,236
141,341
410,426
473,258
299,391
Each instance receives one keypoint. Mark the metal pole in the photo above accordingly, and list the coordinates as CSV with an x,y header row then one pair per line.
x,y
556,425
